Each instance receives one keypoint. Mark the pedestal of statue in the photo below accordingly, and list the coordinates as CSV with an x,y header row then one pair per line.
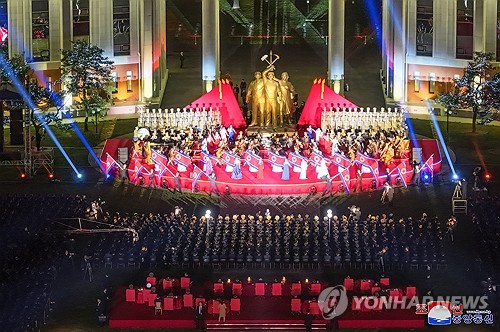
x,y
272,130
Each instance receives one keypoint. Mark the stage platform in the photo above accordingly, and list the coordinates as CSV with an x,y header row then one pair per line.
x,y
272,184
259,312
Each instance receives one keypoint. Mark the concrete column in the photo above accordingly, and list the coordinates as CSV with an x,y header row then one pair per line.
x,y
66,24
146,48
445,28
336,27
398,11
412,28
159,48
478,30
210,43
387,46
19,16
489,30
101,25
55,33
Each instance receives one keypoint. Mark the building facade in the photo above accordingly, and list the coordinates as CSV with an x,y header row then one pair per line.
x,y
132,33
427,44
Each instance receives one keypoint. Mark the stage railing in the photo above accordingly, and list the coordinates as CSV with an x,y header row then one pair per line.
x,y
178,118
363,118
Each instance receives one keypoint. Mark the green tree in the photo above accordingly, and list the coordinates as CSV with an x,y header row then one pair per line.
x,y
86,73
48,103
477,90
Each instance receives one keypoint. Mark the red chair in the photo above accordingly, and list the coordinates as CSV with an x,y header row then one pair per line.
x,y
355,306
411,291
130,295
151,280
200,299
315,289
259,289
236,289
213,307
168,303
384,282
151,299
394,294
168,284
235,304
296,305
314,308
187,300
145,295
218,288
364,286
185,283
375,289
277,289
349,284
296,289
140,297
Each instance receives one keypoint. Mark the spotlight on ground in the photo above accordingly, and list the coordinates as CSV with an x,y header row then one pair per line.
x,y
454,176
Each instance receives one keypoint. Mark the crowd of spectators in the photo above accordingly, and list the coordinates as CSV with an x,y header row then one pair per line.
x,y
265,240
31,256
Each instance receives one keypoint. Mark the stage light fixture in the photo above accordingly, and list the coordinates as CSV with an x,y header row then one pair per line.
x,y
79,175
487,176
455,176
329,213
51,176
23,176
207,214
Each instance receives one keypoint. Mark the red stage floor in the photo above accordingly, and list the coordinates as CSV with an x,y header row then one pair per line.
x,y
254,310
272,183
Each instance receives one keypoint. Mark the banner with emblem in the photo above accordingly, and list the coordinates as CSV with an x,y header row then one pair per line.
x,y
369,162
429,164
134,170
402,172
295,159
252,159
108,164
229,159
160,160
181,158
206,157
345,176
315,158
276,159
341,161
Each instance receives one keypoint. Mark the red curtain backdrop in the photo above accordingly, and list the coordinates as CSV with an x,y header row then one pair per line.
x,y
320,96
222,96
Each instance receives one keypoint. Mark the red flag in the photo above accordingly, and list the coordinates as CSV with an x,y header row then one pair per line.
x,y
181,158
206,157
276,159
134,170
402,172
229,159
341,161
197,173
430,164
369,162
315,158
345,176
295,159
252,159
160,160
108,164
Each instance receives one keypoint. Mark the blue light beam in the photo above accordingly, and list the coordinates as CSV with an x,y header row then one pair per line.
x,y
441,139
27,99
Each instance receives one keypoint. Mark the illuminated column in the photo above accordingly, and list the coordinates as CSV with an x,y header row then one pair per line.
x,y
336,23
398,11
485,20
387,47
101,25
146,48
19,16
445,28
210,43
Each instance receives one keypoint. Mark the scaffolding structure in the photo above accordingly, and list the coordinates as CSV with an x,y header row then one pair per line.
x,y
31,161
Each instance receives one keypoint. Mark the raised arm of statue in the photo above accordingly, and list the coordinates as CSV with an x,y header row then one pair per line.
x,y
267,70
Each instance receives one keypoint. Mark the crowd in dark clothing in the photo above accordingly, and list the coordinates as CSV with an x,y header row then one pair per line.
x,y
32,256
304,240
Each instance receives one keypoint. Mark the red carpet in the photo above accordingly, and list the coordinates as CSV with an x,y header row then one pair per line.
x,y
254,310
